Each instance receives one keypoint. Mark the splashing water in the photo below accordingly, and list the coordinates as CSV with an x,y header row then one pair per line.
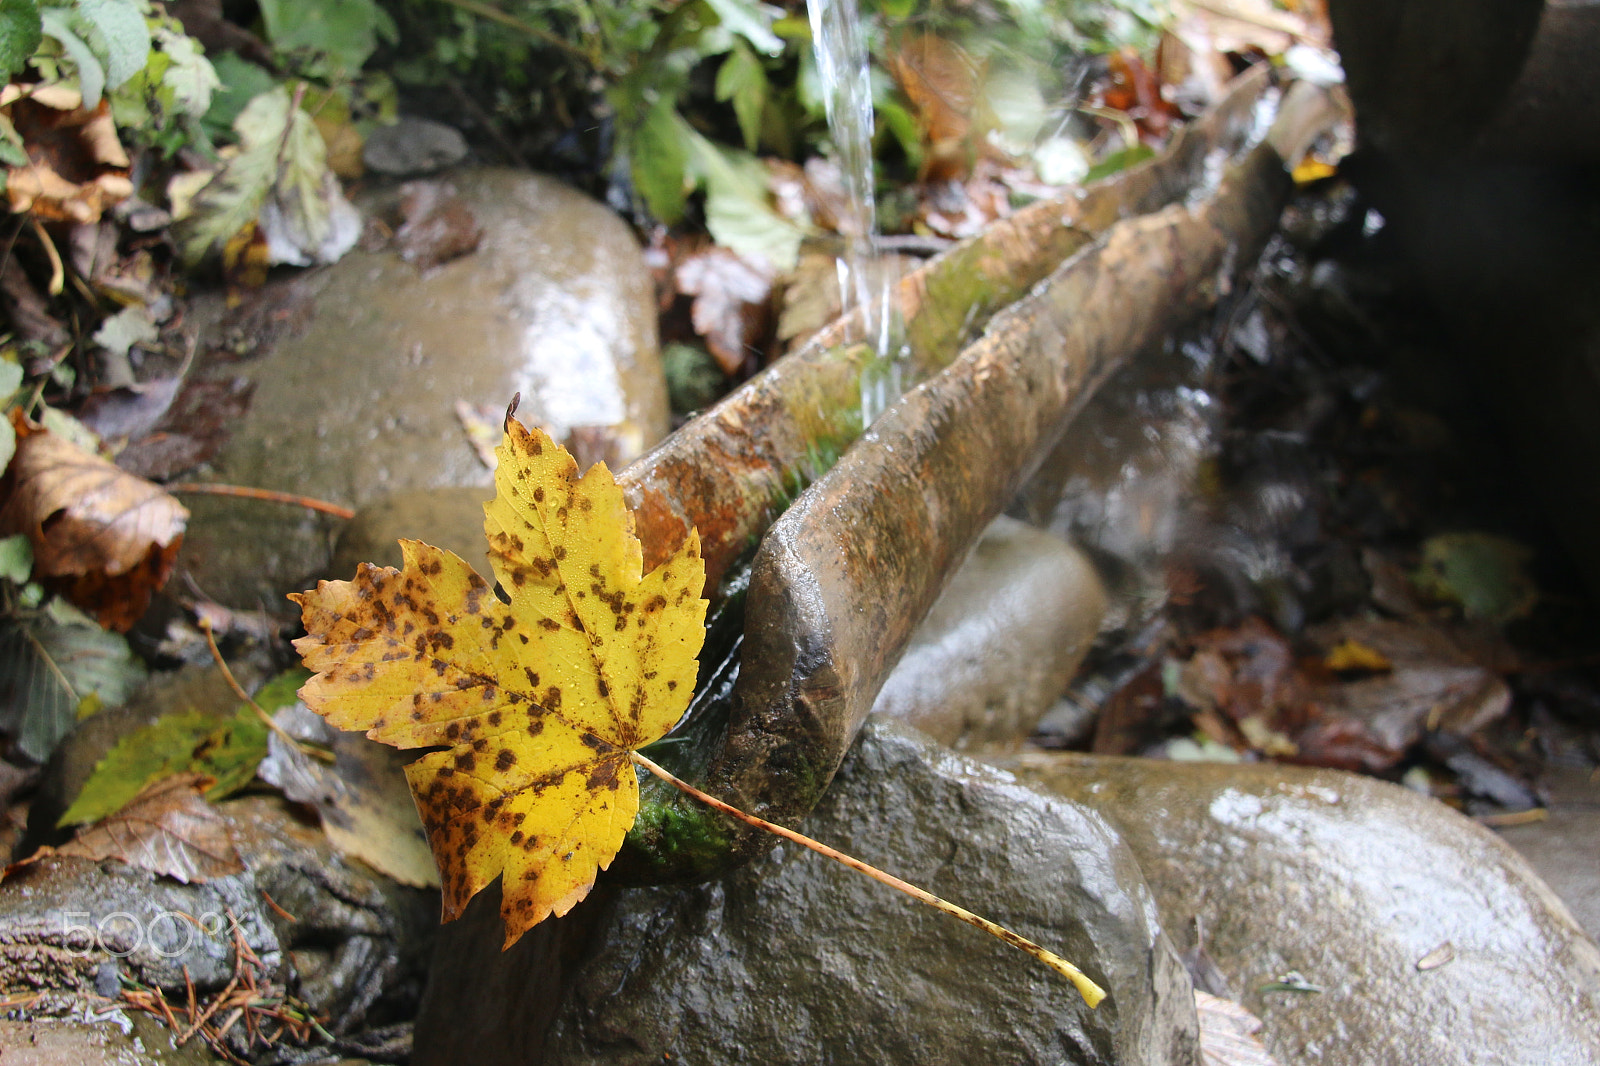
x,y
840,48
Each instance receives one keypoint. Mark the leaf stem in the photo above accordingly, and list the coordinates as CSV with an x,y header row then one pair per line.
x,y
1091,992
266,719
188,488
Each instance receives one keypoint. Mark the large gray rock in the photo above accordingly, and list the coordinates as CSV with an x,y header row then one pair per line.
x,y
1000,643
1565,846
795,959
556,303
1431,940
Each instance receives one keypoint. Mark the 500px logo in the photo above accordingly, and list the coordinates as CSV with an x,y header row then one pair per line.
x,y
119,934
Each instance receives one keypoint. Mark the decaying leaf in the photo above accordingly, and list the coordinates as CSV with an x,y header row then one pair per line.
x,y
362,799
52,663
1228,1033
439,226
1487,575
76,166
731,302
226,748
941,81
538,702
105,537
168,829
279,175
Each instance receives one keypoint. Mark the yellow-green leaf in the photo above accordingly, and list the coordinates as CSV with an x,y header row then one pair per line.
x,y
538,701
224,747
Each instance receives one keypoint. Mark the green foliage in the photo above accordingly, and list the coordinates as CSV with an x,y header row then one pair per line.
x,y
53,663
742,80
10,382
693,378
16,558
20,33
105,42
1485,574
328,40
163,102
281,155
227,747
242,81
738,212
1118,161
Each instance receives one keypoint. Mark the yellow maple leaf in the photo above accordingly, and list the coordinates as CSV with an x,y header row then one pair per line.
x,y
538,701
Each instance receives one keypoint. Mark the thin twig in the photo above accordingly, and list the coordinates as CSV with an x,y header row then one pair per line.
x,y
58,272
1092,993
266,719
269,495
279,911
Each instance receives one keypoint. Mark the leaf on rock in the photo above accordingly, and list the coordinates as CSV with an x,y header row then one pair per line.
x,y
362,799
538,702
226,748
168,828
1228,1033
280,173
53,663
105,538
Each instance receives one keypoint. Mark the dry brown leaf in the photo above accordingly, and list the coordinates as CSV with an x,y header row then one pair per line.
x,y
438,226
941,82
731,302
1431,685
77,167
169,828
363,799
1227,1033
107,539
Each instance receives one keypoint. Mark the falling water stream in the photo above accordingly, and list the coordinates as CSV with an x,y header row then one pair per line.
x,y
839,44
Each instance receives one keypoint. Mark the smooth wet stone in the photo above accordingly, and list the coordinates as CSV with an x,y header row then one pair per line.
x,y
1430,939
796,959
1565,846
68,926
117,1038
413,146
360,402
1001,642
446,518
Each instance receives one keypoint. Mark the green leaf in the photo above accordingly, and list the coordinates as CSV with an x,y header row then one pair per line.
x,y
118,29
226,747
743,80
752,21
241,81
658,157
52,663
739,213
1118,161
1486,574
306,218
282,156
332,38
191,77
20,33
10,382
16,557
91,75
